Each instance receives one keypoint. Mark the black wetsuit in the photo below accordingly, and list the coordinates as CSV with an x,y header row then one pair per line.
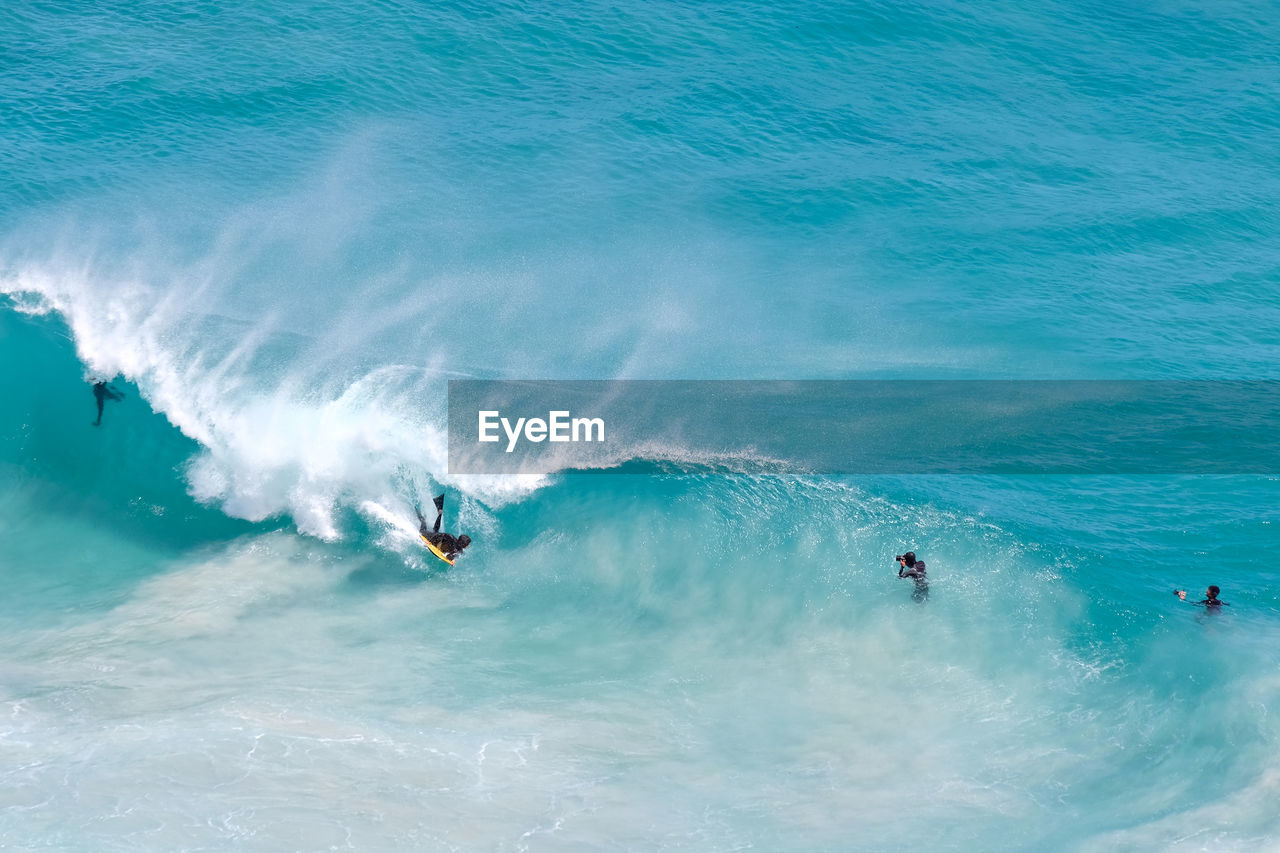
x,y
916,573
102,392
446,542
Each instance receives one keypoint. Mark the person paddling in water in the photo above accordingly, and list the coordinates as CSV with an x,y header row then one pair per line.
x,y
1210,603
102,392
910,567
448,544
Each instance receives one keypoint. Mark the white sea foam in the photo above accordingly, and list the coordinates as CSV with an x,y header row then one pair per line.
x,y
287,425
292,441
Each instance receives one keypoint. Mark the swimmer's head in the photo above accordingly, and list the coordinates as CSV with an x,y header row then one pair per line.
x,y
1213,592
464,540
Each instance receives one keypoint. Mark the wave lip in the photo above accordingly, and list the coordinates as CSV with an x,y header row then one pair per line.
x,y
277,434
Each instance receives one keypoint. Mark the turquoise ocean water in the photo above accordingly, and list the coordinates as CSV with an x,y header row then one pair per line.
x,y
284,226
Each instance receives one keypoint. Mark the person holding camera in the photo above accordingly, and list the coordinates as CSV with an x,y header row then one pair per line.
x,y
1211,602
910,567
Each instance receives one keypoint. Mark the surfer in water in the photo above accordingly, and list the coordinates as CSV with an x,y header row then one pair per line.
x,y
910,567
448,544
102,392
1211,602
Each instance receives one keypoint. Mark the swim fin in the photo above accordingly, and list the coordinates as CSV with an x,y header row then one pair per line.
x,y
439,501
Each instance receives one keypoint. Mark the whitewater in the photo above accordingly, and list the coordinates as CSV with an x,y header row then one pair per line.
x,y
281,229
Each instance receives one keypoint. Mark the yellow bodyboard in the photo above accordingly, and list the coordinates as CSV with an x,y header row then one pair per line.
x,y
436,551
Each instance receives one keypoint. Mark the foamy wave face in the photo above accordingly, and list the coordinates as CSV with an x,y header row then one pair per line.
x,y
305,403
286,426
282,431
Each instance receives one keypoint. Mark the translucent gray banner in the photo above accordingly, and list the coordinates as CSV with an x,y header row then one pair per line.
x,y
869,426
